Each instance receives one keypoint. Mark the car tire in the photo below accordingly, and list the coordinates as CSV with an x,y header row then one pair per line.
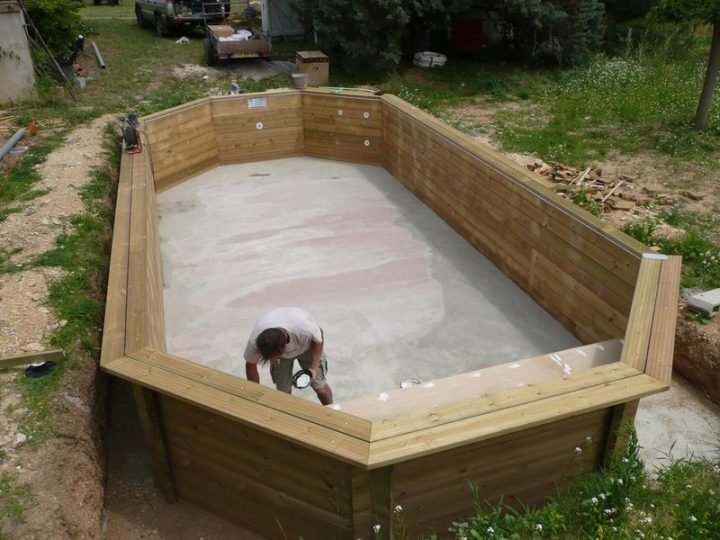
x,y
161,25
142,22
211,58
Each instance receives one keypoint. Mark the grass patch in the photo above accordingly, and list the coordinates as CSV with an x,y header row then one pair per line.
x,y
19,182
13,496
5,212
33,194
628,104
6,267
699,245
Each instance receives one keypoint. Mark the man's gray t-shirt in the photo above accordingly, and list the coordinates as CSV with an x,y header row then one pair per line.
x,y
299,324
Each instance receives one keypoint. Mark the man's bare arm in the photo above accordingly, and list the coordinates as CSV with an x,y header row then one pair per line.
x,y
316,350
251,372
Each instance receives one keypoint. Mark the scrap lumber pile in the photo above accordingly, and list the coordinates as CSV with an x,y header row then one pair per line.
x,y
613,191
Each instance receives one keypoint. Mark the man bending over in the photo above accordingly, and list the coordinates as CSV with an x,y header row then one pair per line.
x,y
281,336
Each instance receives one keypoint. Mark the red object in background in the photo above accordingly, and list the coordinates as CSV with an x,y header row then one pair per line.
x,y
33,129
466,35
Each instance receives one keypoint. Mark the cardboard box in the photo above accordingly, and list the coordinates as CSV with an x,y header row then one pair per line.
x,y
222,30
315,64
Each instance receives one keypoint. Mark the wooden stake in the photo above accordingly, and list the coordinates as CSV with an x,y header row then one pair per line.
x,y
32,358
579,179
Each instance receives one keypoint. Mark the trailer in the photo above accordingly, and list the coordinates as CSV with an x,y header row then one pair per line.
x,y
234,40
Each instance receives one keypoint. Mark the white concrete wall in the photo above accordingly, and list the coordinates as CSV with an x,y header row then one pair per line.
x,y
17,80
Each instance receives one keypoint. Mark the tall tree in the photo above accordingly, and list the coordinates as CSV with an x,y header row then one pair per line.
x,y
704,12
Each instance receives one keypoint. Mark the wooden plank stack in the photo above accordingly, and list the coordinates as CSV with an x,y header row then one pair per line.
x,y
287,467
595,189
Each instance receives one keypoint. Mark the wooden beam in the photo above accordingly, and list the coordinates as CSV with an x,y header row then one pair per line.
x,y
113,339
616,440
32,358
637,335
310,434
372,503
510,420
662,335
151,421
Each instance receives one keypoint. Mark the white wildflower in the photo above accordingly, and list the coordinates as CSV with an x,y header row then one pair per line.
x,y
538,526
376,527
490,530
578,449
693,519
594,500
398,508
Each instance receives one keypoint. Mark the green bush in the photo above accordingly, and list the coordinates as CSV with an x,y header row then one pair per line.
x,y
58,21
699,246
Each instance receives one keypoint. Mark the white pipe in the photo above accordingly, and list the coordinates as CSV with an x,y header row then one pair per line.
x,y
11,142
98,55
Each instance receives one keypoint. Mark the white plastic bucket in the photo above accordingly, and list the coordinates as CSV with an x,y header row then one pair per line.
x,y
300,80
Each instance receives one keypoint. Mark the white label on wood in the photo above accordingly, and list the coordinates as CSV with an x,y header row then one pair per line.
x,y
657,256
257,102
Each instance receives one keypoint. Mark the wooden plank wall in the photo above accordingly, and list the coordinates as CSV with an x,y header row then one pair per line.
x,y
523,467
182,142
346,128
580,273
247,132
273,486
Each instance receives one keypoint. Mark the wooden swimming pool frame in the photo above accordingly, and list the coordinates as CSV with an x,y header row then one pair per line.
x,y
286,467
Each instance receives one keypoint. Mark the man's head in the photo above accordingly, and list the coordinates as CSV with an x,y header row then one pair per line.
x,y
271,343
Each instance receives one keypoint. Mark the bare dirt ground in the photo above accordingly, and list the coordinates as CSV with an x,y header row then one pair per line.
x,y
91,480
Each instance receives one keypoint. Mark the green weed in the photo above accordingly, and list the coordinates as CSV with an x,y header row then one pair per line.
x,y
617,503
581,199
13,496
699,245
19,182
6,266
5,212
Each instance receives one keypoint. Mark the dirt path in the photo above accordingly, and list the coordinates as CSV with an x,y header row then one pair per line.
x,y
64,473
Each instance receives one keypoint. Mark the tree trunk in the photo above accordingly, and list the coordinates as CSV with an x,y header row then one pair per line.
x,y
710,79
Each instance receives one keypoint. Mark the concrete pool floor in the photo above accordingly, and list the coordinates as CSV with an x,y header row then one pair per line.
x,y
398,293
